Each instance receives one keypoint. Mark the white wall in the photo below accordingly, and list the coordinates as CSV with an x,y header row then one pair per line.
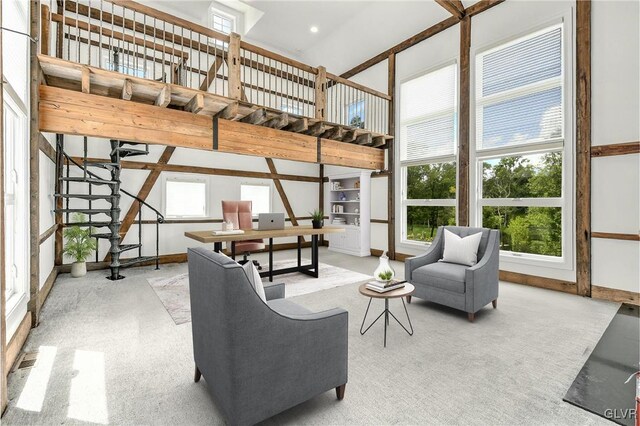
x,y
615,181
47,216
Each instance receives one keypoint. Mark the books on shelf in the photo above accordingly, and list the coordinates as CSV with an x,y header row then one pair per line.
x,y
383,287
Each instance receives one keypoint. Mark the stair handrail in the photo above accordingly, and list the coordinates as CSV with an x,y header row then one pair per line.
x,y
159,216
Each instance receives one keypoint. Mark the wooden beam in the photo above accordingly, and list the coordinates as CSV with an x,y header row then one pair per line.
x,y
463,122
46,148
44,29
391,186
451,8
615,295
230,112
321,194
616,236
299,126
615,149
196,104
335,133
277,122
378,141
46,234
349,136
58,257
48,285
180,168
258,116
86,80
127,90
233,64
164,97
583,147
17,342
316,129
351,155
321,94
34,167
283,195
364,139
212,74
475,9
143,194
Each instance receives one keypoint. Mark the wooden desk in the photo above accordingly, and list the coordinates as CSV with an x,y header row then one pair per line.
x,y
254,234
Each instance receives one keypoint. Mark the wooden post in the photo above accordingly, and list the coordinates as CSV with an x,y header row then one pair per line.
x,y
34,165
321,195
233,62
283,195
44,30
321,93
463,122
391,193
59,31
583,147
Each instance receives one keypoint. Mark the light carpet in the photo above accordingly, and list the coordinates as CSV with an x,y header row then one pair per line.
x,y
120,359
173,292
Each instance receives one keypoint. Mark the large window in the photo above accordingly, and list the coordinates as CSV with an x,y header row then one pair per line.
x,y
259,195
520,152
186,197
428,136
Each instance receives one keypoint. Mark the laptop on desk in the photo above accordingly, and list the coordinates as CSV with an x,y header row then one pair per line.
x,y
270,221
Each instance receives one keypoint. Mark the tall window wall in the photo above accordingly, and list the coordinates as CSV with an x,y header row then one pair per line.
x,y
520,143
428,140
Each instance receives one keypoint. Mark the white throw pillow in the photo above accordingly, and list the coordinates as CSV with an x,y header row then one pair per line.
x,y
463,251
255,279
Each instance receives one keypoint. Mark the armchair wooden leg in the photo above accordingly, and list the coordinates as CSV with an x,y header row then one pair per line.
x,y
408,299
495,304
471,316
340,391
197,375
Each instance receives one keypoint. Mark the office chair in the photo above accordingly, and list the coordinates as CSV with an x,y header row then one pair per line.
x,y
239,213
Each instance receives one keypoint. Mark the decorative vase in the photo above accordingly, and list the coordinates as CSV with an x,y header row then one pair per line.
x,y
317,224
78,269
384,266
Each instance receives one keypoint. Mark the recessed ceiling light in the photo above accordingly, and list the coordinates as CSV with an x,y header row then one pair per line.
x,y
313,29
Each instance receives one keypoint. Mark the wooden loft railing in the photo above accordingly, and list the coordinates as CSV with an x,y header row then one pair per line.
x,y
266,88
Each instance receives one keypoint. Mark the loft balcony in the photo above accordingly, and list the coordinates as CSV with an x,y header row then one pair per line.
x,y
108,67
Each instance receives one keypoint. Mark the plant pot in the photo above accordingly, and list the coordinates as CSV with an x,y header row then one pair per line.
x,y
78,269
317,224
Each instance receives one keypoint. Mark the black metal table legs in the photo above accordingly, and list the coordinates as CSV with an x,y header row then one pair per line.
x,y
386,314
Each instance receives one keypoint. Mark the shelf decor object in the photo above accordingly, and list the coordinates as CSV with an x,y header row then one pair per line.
x,y
350,208
384,272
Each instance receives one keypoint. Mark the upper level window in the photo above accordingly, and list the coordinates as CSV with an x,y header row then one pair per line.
x,y
221,21
428,135
259,195
355,114
186,197
522,158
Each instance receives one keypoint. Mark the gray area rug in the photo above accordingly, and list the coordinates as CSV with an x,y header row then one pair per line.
x,y
173,292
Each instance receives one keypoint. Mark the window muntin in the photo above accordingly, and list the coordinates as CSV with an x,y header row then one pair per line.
x,y
520,122
221,22
428,138
356,114
259,195
186,197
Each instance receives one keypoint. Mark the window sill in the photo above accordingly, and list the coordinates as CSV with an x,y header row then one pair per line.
x,y
536,260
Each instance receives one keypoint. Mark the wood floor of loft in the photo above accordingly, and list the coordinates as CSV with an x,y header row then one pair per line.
x,y
86,79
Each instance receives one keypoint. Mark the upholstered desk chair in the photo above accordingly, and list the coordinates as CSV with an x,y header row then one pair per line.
x,y
260,358
239,213
468,288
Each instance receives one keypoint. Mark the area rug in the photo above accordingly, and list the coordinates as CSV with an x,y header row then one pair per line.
x,y
173,292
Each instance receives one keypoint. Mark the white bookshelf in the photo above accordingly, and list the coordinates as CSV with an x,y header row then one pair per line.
x,y
353,198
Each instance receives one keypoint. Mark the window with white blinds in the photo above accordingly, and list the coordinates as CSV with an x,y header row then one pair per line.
x,y
428,124
519,91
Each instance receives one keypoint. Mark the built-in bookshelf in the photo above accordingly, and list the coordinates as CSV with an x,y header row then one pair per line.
x,y
350,208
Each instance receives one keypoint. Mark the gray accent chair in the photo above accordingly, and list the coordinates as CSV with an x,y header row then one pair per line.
x,y
468,288
257,358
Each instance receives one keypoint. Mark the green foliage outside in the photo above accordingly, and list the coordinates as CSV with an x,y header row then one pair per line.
x,y
523,229
78,242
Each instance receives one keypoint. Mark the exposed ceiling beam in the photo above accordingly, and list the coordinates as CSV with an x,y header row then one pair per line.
x,y
452,8
472,10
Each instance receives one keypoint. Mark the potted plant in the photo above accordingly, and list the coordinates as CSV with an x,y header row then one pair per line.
x,y
317,218
78,245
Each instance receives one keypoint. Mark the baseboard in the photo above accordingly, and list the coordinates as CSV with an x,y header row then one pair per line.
x,y
48,284
540,282
615,295
17,342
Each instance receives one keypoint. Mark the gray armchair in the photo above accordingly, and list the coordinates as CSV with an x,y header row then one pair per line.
x,y
468,288
260,358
